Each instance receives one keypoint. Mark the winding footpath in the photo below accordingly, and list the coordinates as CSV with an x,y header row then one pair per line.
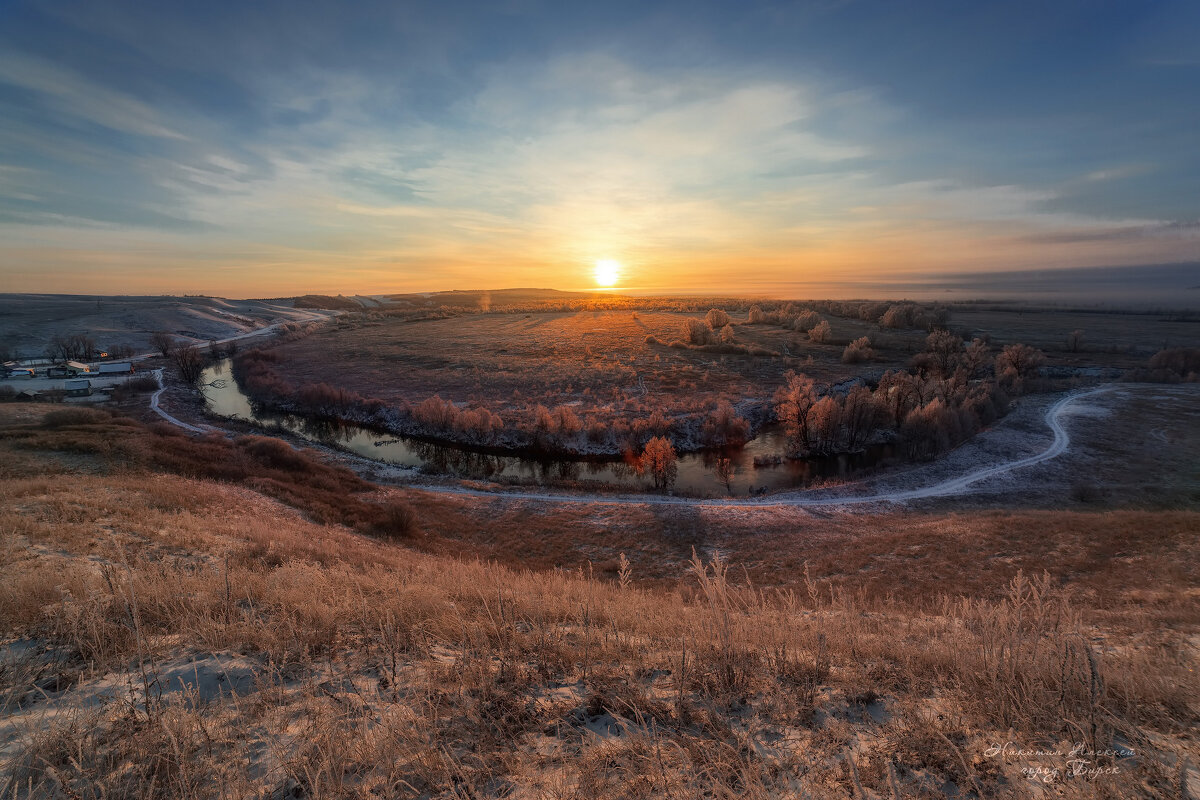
x,y
799,499
806,499
157,409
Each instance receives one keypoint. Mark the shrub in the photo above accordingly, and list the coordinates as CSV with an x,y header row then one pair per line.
x,y
274,453
696,332
1182,361
793,405
756,316
724,427
821,332
858,351
1017,363
397,520
716,319
70,417
805,320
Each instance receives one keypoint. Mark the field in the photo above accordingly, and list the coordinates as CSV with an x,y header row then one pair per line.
x,y
1108,339
232,614
178,635
29,322
591,358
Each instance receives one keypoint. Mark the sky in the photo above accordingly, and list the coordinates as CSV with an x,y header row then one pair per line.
x,y
274,148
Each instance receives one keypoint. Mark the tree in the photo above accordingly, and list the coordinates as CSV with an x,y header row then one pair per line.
x,y
793,404
726,334
899,393
189,362
724,427
163,342
659,459
1018,362
1075,340
821,332
75,346
860,416
724,470
58,349
977,357
825,424
944,349
716,319
756,316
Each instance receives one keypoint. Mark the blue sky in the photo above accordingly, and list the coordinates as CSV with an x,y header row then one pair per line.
x,y
270,148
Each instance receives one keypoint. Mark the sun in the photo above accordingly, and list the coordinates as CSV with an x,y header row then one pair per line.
x,y
608,272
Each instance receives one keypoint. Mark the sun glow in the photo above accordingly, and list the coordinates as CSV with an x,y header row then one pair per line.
x,y
608,272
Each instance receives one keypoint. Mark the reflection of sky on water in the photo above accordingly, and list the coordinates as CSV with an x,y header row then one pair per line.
x,y
696,470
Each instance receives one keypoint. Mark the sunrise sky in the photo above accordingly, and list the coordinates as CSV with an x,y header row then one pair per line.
x,y
270,148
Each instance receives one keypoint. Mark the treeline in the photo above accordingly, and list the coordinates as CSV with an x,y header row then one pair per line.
x,y
795,314
533,427
951,391
326,302
806,316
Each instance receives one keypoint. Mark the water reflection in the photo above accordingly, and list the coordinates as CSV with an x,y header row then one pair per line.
x,y
698,474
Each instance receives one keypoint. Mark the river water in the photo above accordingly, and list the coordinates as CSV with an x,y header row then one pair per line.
x,y
697,476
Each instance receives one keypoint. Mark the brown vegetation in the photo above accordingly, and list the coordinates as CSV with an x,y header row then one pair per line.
x,y
890,665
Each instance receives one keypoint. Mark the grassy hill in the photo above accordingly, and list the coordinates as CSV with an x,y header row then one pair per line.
x,y
174,632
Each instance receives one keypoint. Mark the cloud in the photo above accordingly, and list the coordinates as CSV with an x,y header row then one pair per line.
x,y
72,95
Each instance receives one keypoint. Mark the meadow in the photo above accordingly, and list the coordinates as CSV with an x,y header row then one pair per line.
x,y
175,633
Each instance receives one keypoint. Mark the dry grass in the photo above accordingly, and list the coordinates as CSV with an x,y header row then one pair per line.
x,y
599,360
374,671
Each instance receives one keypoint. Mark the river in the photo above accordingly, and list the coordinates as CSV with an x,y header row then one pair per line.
x,y
697,474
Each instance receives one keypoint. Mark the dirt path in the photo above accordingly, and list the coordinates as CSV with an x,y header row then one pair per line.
x,y
158,373
804,499
819,497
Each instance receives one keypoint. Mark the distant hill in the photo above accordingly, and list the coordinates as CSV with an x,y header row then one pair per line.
x,y
486,298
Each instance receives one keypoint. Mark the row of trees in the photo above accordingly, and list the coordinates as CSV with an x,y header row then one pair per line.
x,y
952,390
553,429
76,347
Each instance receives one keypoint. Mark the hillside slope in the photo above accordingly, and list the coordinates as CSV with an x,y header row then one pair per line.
x,y
171,635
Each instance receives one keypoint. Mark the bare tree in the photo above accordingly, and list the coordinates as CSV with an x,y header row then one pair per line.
x,y
899,393
76,345
58,349
860,416
1019,360
724,470
163,342
726,334
756,316
793,405
1075,341
825,424
945,349
189,362
977,357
